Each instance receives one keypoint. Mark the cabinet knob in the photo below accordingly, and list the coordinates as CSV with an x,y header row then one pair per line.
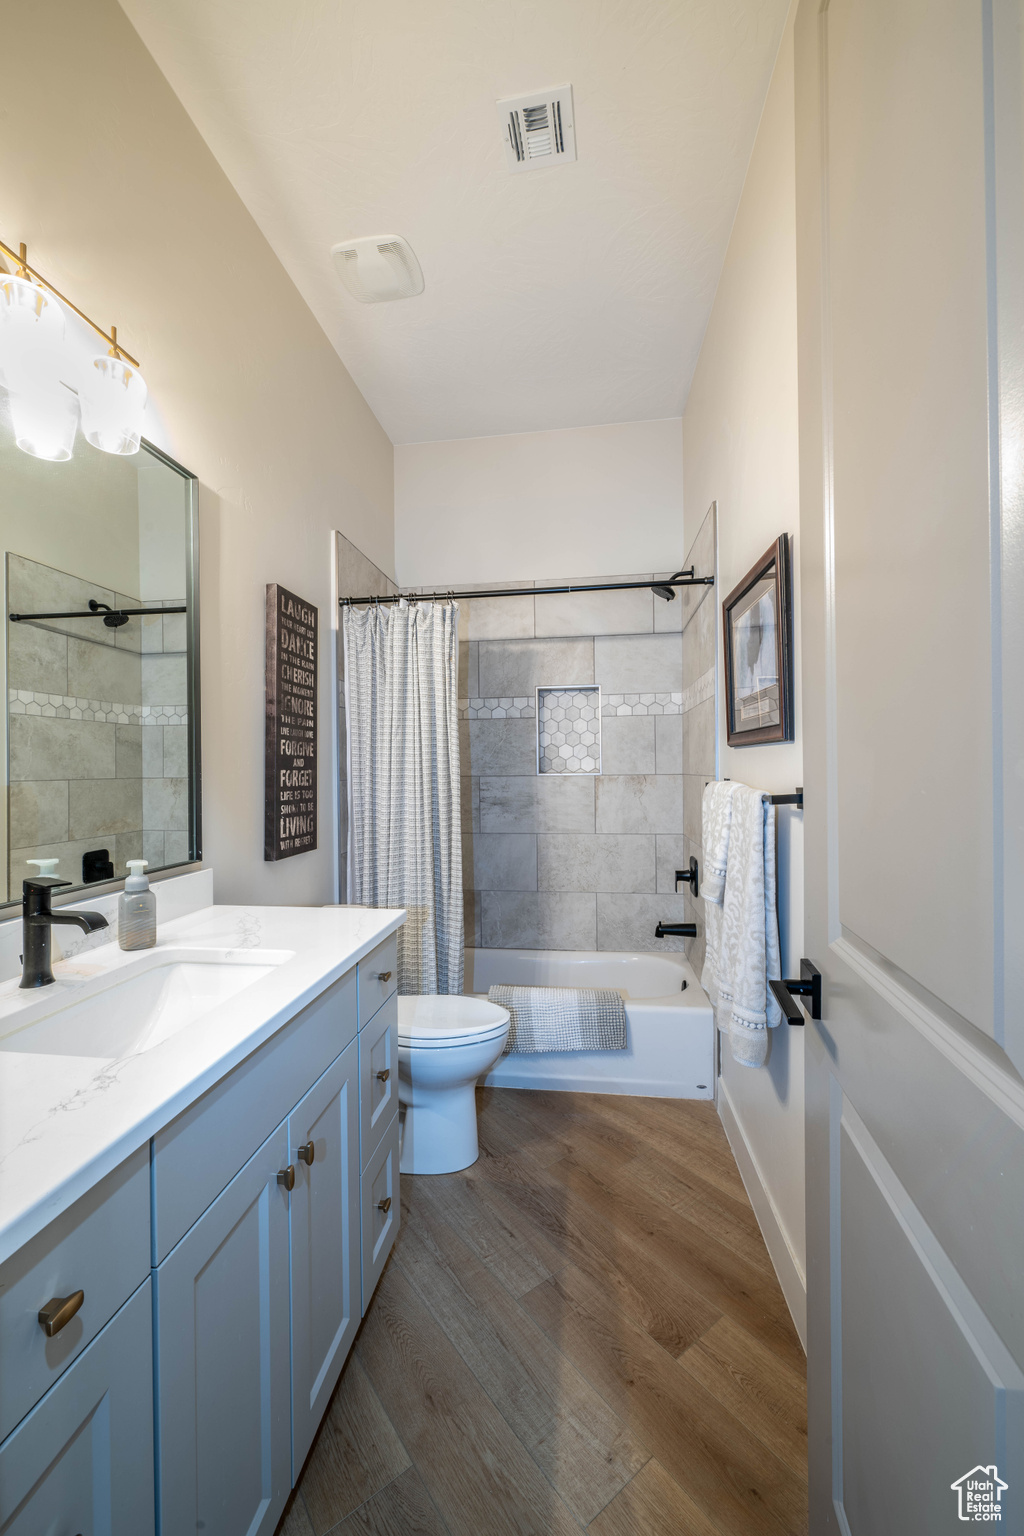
x,y
383,975
384,1074
286,1176
385,1204
307,1153
59,1311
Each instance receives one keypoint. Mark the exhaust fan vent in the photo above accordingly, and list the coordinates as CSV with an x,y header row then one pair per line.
x,y
538,129
378,267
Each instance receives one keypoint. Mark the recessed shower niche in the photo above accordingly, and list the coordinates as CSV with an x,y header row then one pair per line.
x,y
569,729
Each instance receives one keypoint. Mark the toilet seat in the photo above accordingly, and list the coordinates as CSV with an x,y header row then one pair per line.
x,y
449,1021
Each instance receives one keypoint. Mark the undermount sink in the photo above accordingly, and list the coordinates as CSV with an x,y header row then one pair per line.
x,y
135,1007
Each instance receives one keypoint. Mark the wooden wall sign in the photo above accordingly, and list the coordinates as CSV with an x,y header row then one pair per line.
x,y
291,804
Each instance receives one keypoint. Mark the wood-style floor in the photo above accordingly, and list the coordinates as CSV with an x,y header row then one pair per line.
x,y
581,1332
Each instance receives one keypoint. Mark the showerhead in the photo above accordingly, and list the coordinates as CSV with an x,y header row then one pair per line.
x,y
667,592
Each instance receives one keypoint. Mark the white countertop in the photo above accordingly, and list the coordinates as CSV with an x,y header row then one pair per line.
x,y
66,1121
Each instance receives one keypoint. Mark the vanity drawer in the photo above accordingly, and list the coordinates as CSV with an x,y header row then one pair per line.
x,y
379,1188
378,978
99,1246
378,1077
202,1150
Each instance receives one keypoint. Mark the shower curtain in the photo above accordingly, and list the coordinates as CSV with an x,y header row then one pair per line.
x,y
405,842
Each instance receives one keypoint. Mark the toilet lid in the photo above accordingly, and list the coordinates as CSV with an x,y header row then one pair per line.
x,y
433,1020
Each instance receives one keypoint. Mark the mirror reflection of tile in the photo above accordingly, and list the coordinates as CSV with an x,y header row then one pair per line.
x,y
97,727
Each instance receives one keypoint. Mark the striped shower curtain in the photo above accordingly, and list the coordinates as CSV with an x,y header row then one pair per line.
x,y
404,841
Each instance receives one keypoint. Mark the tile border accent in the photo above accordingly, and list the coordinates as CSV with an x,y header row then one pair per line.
x,y
497,709
700,691
55,706
642,704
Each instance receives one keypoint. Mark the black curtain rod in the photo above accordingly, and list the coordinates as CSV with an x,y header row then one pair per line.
x,y
684,579
94,613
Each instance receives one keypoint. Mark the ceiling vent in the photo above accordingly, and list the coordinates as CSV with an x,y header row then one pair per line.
x,y
538,129
377,268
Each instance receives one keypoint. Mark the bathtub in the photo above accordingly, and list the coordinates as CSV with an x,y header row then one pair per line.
x,y
670,1032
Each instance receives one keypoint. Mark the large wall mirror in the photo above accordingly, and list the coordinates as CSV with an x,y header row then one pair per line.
x,y
101,648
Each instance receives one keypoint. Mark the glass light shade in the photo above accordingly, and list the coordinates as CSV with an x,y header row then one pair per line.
x,y
31,335
45,421
113,399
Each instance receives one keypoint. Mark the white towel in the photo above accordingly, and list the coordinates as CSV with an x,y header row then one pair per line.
x,y
741,925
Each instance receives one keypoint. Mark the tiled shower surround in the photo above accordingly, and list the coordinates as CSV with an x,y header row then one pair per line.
x,y
573,860
98,728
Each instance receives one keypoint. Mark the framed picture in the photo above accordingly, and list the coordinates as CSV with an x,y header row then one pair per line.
x,y
757,624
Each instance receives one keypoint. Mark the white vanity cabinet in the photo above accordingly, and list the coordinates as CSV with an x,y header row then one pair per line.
x,y
222,1358
323,1133
225,1266
81,1462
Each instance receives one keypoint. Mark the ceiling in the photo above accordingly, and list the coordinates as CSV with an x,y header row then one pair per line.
x,y
569,296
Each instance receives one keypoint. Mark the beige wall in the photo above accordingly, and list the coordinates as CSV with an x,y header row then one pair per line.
x,y
533,505
740,449
124,209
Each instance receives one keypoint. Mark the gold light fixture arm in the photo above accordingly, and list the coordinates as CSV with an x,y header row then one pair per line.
x,y
24,270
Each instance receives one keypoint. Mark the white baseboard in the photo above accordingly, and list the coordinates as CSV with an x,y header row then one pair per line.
x,y
787,1266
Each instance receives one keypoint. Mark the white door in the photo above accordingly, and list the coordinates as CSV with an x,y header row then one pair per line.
x,y
223,1409
909,189
323,1131
81,1463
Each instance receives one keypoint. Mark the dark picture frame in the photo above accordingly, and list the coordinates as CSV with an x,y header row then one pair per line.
x,y
757,625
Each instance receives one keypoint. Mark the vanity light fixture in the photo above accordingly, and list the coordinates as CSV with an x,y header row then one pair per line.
x,y
34,366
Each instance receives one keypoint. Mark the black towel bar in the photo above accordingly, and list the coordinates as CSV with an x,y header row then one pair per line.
x,y
797,799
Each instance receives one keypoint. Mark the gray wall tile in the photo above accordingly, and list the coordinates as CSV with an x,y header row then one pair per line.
x,y
672,855
128,846
699,739
128,751
502,618
639,663
538,920
39,812
640,803
699,643
469,672
628,744
577,862
500,862
549,803
153,751
43,748
669,742
175,847
36,659
103,672
669,617
165,804
164,680
594,613
471,919
103,807
153,847
503,747
69,855
470,803
628,922
175,751
175,636
693,791
515,668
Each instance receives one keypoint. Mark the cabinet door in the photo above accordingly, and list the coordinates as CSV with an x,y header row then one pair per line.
x,y
81,1463
378,1077
325,1243
223,1442
381,1209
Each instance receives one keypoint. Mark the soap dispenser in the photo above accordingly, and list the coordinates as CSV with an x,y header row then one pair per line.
x,y
136,909
44,866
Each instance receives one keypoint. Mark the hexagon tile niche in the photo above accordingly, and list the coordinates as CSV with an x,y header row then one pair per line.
x,y
569,730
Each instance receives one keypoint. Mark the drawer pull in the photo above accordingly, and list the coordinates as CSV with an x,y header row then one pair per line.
x,y
286,1176
59,1311
383,975
385,1204
383,1075
307,1153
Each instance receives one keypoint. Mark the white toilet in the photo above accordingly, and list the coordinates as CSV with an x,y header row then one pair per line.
x,y
444,1045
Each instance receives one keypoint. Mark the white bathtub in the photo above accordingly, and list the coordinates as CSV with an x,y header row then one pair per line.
x,y
670,1032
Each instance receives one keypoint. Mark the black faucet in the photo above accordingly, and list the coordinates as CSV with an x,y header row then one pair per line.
x,y
672,931
37,920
